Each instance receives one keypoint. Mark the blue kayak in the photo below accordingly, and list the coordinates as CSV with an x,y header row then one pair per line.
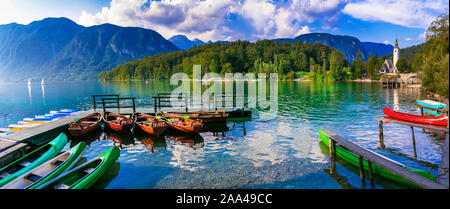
x,y
432,104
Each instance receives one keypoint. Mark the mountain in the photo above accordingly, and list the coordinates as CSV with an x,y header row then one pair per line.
x,y
348,45
379,48
408,53
58,48
182,42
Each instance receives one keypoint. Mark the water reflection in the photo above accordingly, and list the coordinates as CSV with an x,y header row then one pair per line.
x,y
120,139
43,93
87,138
348,175
29,94
154,144
192,141
284,148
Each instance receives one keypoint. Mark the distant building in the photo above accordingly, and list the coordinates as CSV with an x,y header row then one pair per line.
x,y
389,67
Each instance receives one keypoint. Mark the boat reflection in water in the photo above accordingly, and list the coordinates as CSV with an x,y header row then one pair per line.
x,y
154,144
194,141
120,140
347,169
112,173
87,138
215,128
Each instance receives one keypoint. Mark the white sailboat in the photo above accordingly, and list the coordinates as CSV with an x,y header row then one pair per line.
x,y
42,82
29,82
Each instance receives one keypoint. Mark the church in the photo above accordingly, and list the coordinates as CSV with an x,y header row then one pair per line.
x,y
389,67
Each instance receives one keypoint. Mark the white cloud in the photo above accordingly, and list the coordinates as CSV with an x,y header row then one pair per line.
x,y
386,42
288,18
409,13
201,19
422,36
210,19
408,39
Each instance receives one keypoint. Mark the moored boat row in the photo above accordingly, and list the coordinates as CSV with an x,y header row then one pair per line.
x,y
154,125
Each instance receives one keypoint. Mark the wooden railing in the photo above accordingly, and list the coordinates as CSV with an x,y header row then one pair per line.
x,y
162,100
117,102
115,99
96,102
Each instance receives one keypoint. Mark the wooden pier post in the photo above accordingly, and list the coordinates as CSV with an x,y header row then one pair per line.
x,y
134,105
369,164
155,104
361,172
332,150
414,142
104,108
380,133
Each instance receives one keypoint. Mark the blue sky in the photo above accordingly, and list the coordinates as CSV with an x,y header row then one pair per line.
x,y
368,20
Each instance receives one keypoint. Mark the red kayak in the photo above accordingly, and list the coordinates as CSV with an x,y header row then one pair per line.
x,y
432,120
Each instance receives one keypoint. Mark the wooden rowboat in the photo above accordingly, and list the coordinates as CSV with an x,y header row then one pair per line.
x,y
85,175
85,125
32,159
48,170
204,117
117,122
353,159
149,124
183,124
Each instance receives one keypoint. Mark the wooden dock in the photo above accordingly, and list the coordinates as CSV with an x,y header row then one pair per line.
x,y
412,125
17,144
380,161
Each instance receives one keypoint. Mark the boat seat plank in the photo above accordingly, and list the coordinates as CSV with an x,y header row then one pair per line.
x,y
58,162
33,177
61,186
24,163
4,175
88,170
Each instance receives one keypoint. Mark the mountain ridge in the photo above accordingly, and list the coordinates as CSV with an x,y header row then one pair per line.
x,y
64,49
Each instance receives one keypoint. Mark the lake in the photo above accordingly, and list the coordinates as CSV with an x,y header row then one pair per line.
x,y
279,152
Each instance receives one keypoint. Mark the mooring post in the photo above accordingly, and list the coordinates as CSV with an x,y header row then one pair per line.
x,y
155,104
118,103
421,113
104,108
330,148
380,133
361,172
372,184
93,100
414,142
186,103
134,107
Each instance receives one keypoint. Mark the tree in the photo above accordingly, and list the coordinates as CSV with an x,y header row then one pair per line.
x,y
357,67
403,66
417,62
435,66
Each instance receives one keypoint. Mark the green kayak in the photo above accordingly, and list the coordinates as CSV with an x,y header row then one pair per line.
x,y
85,175
48,170
32,159
353,159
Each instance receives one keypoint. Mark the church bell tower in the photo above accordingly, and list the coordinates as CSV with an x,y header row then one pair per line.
x,y
396,52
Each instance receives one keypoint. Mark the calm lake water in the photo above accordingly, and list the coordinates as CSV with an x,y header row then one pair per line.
x,y
282,152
